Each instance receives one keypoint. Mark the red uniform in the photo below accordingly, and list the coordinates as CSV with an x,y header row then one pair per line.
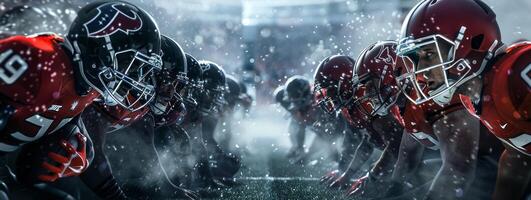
x,y
37,80
175,115
505,106
418,120
119,117
357,120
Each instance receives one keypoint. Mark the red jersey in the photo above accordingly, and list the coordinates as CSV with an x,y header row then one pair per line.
x,y
37,80
118,116
356,119
175,115
505,106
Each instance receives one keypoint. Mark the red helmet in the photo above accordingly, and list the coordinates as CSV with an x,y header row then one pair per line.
x,y
333,86
454,39
376,89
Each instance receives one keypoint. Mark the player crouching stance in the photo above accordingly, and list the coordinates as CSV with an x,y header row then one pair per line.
x,y
47,81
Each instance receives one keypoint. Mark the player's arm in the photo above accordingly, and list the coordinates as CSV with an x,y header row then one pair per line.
x,y
297,134
98,177
514,171
376,182
361,155
147,128
409,157
208,127
227,124
351,140
458,134
384,166
514,175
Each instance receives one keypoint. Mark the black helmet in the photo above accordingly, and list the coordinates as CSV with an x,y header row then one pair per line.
x,y
195,83
279,94
213,85
298,93
172,79
117,48
243,87
232,90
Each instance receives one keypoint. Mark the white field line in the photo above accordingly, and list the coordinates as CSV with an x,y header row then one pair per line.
x,y
268,178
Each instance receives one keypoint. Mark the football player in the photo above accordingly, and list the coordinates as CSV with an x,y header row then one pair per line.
x,y
201,121
166,108
333,90
453,49
47,81
236,97
224,164
297,98
358,100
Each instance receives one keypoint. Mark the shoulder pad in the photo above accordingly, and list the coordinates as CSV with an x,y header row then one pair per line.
x,y
25,61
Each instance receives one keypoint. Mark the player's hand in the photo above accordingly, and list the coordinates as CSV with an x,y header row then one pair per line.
x,y
368,186
341,182
71,163
358,185
294,151
189,194
296,155
329,177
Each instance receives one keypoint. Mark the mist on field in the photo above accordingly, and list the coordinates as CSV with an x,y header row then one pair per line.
x,y
261,43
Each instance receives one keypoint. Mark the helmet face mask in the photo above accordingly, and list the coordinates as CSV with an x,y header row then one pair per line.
x,y
430,67
298,101
463,36
191,93
331,100
172,79
132,75
195,85
374,97
116,47
325,100
167,97
171,93
211,100
375,86
333,83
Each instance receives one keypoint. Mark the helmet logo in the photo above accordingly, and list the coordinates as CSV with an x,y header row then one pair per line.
x,y
112,18
205,67
385,56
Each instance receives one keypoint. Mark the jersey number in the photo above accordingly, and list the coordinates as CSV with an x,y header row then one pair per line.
x,y
42,122
13,67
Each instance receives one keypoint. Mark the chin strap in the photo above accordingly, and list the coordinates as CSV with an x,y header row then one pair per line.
x,y
494,50
491,53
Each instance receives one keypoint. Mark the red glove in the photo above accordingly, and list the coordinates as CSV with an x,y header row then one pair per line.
x,y
330,176
357,187
341,182
72,164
